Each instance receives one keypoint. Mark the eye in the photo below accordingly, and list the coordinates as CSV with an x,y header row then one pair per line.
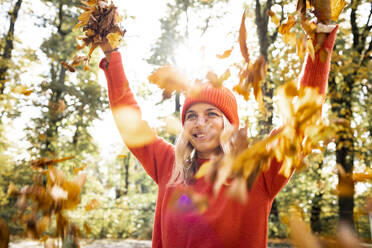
x,y
190,116
213,114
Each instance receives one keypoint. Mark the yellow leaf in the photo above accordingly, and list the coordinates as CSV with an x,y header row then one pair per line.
x,y
226,54
21,89
290,39
121,156
203,170
173,125
84,17
114,39
310,49
273,17
134,131
336,7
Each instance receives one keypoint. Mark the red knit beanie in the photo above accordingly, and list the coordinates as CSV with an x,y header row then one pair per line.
x,y
220,97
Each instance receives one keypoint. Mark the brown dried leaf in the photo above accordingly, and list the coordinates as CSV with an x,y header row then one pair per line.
x,y
67,66
243,39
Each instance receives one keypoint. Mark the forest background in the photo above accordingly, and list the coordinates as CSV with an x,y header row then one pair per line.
x,y
48,112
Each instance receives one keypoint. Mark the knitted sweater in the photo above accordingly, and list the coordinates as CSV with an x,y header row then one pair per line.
x,y
226,222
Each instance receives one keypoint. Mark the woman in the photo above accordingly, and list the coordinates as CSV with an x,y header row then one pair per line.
x,y
226,222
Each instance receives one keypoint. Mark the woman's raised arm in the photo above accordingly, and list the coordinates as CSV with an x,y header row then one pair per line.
x,y
154,156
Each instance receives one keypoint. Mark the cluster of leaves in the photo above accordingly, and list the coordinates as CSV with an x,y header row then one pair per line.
x,y
100,23
251,74
50,196
302,132
325,11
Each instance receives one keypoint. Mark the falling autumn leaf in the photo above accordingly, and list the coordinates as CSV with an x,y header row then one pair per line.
x,y
226,54
336,8
93,204
121,156
135,132
310,49
169,79
243,39
43,162
273,17
21,89
173,125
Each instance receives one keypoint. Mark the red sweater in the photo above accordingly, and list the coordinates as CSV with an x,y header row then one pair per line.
x,y
226,223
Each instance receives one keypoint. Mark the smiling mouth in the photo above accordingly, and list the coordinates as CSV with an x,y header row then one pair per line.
x,y
199,136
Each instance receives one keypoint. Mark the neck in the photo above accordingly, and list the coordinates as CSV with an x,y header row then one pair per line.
x,y
208,154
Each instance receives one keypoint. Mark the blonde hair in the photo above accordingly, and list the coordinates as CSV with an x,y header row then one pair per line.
x,y
185,165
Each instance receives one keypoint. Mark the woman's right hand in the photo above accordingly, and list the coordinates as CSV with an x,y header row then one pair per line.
x,y
107,48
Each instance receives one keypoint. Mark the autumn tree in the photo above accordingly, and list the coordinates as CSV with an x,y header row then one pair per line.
x,y
7,45
68,103
350,87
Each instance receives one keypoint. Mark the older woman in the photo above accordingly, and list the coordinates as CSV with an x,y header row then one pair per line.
x,y
226,222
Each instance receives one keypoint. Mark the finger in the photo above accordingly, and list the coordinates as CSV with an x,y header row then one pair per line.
x,y
322,28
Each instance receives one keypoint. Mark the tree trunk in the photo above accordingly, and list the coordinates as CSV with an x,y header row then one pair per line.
x,y
7,52
341,105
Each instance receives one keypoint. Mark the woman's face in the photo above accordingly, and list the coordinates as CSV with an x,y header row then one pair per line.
x,y
203,125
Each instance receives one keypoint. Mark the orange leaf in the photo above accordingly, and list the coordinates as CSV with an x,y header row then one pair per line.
x,y
243,39
286,27
169,78
226,54
273,17
94,203
87,229
78,169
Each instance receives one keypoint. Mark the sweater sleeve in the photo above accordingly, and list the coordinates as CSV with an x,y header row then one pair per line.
x,y
157,157
314,74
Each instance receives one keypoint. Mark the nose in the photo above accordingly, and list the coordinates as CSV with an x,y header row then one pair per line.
x,y
201,120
